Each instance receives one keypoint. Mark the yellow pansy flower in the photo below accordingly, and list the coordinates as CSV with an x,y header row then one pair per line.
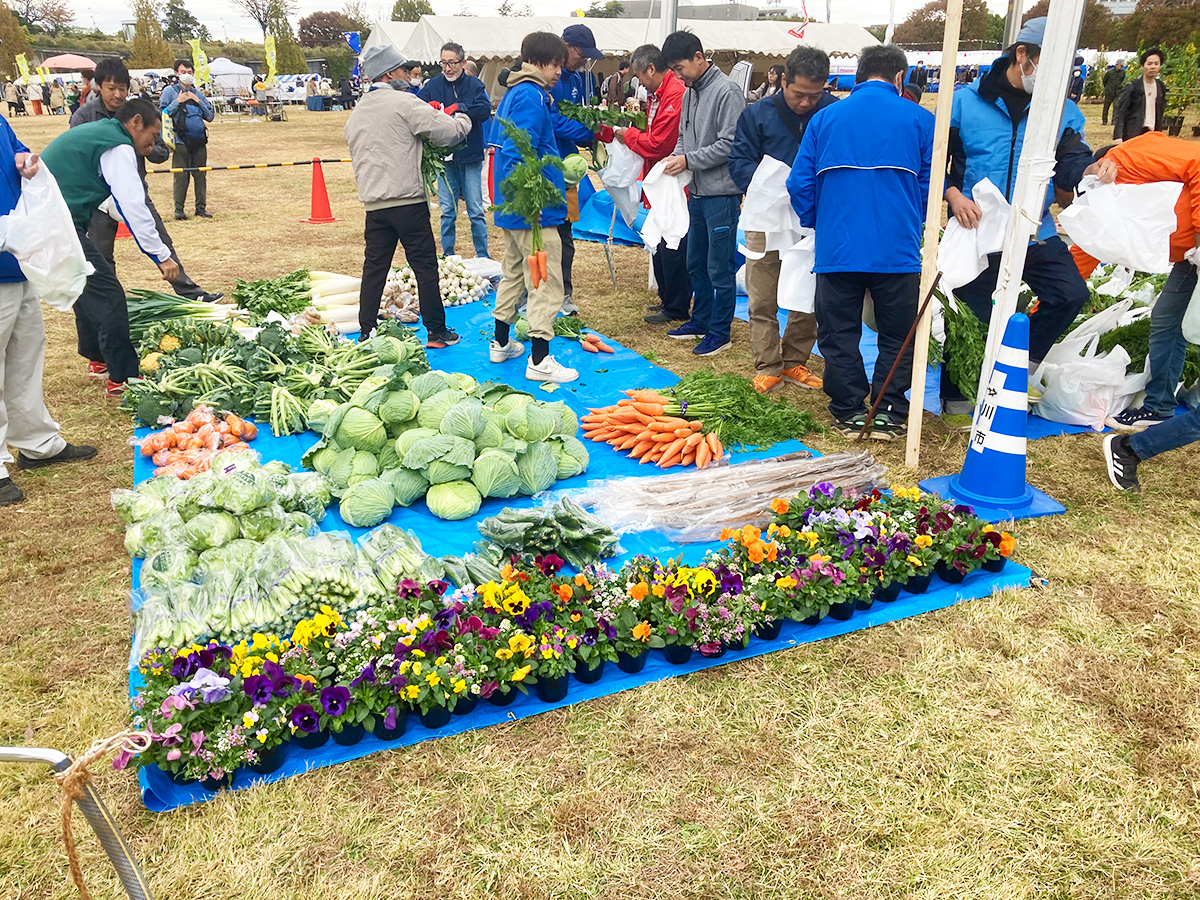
x,y
914,562
504,654
787,582
520,674
413,691
432,679
923,541
460,686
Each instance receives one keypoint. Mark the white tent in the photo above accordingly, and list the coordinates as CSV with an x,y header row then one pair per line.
x,y
394,33
229,77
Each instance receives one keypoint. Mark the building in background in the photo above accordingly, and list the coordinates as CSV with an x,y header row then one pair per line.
x,y
732,12
1119,8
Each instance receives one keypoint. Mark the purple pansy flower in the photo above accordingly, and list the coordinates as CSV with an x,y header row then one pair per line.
x,y
335,700
304,718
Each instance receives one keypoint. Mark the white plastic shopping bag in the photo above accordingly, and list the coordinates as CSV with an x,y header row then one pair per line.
x,y
797,283
40,234
1128,224
768,209
620,176
668,219
963,252
1191,317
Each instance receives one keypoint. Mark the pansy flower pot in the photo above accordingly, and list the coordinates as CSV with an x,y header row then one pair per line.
x,y
948,573
994,565
842,611
270,760
768,631
180,779
466,704
393,733
631,663
918,584
212,785
712,651
310,740
888,593
349,735
498,698
591,674
814,619
865,602
677,654
436,718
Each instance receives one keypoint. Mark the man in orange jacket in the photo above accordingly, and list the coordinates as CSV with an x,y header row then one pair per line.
x,y
1145,159
656,143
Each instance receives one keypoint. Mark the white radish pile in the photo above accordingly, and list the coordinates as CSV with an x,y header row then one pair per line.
x,y
458,287
334,302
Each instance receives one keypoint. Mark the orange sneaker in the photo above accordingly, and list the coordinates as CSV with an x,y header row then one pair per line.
x,y
801,376
115,389
765,383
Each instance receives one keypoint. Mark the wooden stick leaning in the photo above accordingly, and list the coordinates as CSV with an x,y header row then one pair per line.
x,y
933,224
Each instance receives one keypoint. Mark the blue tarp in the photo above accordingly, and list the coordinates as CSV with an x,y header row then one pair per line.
x,y
602,378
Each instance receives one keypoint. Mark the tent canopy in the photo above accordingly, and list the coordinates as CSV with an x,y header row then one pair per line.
x,y
69,61
229,76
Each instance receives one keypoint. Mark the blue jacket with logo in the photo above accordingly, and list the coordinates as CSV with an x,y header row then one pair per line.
x,y
191,130
762,130
574,87
986,143
528,106
10,193
471,97
861,179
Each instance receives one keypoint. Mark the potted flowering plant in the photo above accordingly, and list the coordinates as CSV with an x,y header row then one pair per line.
x,y
267,687
676,614
822,587
511,665
953,529
720,622
999,546
625,602
553,662
890,564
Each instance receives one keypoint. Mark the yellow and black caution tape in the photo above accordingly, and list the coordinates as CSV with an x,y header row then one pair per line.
x,y
273,165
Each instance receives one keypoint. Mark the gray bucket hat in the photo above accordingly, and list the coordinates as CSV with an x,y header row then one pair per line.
x,y
379,60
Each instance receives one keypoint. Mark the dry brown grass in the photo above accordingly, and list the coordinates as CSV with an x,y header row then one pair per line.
x,y
1038,744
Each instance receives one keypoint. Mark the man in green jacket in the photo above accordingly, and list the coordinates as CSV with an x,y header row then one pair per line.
x,y
90,163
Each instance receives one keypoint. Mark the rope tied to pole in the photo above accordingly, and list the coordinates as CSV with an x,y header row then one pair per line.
x,y
76,777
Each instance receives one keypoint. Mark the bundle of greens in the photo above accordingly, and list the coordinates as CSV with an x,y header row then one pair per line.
x,y
285,295
1135,338
964,347
433,165
565,529
595,116
729,407
527,191
569,327
150,308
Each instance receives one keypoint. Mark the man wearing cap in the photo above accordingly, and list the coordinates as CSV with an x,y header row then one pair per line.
x,y
987,131
385,132
575,85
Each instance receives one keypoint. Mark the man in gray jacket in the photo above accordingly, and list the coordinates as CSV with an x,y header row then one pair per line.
x,y
385,134
711,107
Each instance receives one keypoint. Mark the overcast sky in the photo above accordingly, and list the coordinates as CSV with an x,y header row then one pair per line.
x,y
225,21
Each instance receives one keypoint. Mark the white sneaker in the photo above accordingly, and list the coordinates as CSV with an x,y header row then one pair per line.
x,y
549,370
499,353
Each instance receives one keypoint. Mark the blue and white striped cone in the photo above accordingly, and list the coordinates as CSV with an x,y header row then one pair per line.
x,y
993,474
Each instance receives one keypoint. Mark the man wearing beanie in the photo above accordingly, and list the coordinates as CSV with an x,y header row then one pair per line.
x,y
385,133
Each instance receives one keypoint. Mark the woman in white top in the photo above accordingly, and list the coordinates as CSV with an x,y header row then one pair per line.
x,y
771,86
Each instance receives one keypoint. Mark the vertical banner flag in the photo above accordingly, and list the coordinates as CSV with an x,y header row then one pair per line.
x,y
23,65
269,47
200,62
354,42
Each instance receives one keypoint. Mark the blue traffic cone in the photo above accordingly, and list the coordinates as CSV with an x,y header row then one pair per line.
x,y
993,474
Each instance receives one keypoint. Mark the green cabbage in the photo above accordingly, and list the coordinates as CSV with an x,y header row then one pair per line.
x,y
172,565
390,350
575,169
407,485
242,492
298,523
464,382
160,487
211,529
343,467
538,469
365,464
261,523
237,555
361,430
387,458
309,495
495,474
455,450
162,529
568,422
439,471
570,456
400,406
506,404
366,504
453,500
490,435
132,506
531,422
425,386
318,414
464,418
370,393
434,408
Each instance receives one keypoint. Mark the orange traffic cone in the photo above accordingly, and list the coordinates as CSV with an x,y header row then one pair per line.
x,y
123,231
320,212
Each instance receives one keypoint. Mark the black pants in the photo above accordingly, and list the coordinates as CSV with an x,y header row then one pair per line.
x,y
839,310
1051,273
102,318
408,225
568,254
1109,100
103,232
674,282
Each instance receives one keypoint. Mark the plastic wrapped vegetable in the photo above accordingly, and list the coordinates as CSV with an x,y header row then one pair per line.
x,y
211,529
242,492
367,503
132,506
169,566
395,553
310,494
162,529
261,523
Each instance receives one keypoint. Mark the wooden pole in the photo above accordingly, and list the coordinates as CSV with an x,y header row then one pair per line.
x,y
933,227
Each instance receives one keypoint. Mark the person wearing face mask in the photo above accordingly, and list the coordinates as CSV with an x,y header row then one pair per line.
x,y
1143,102
456,91
987,132
189,110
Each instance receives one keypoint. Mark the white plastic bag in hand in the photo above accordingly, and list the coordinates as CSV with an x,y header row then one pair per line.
x,y
620,176
797,283
668,219
963,252
40,234
1191,318
768,208
1127,224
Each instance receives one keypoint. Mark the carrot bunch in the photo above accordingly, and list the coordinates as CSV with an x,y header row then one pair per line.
x,y
186,448
592,344
646,424
538,270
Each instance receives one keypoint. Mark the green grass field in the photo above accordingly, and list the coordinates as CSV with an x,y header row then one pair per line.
x,y
1037,744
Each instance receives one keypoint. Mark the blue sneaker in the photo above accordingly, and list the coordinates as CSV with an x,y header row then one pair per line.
x,y
689,330
711,345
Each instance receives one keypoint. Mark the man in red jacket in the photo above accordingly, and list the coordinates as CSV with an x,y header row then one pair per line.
x,y
654,144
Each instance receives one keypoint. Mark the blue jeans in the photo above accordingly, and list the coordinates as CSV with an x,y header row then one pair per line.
x,y
1167,346
463,180
1179,431
711,255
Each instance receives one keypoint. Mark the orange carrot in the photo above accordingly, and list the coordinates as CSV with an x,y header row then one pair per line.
x,y
703,454
648,408
715,445
249,431
689,457
664,437
693,441
534,273
626,401
640,448
682,432
672,454
602,347
542,263
588,347
628,443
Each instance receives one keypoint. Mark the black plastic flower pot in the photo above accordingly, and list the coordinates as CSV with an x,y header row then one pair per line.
x,y
310,740
918,584
466,704
865,602
889,593
631,664
814,619
949,574
498,698
591,674
348,736
391,734
435,718
715,651
677,654
270,760
551,690
994,565
768,631
212,785
842,611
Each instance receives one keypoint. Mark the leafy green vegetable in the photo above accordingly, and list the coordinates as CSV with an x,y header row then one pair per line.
x,y
367,503
1135,338
286,295
526,189
729,406
964,347
537,468
565,529
361,430
495,474
453,500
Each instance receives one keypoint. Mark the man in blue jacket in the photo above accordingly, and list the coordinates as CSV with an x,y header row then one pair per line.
x,y
456,91
987,132
188,109
860,179
774,127
575,85
25,422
